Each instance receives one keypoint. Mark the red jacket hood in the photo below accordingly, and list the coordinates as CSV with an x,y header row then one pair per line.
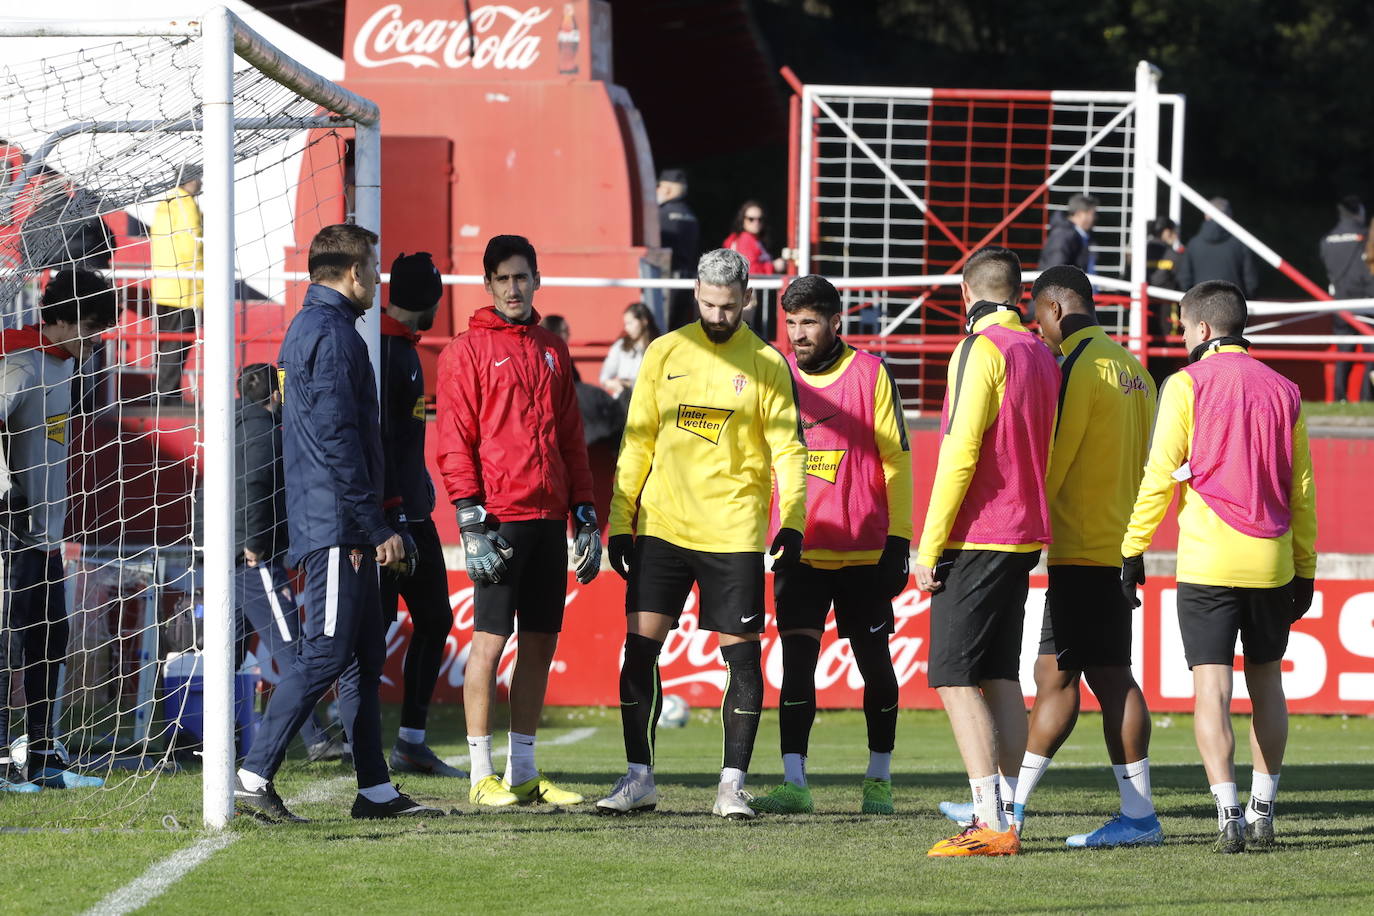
x,y
393,328
491,320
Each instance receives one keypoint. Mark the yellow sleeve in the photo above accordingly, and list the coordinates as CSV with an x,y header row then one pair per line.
x,y
636,445
782,429
1302,502
186,232
1169,447
976,399
894,448
1070,428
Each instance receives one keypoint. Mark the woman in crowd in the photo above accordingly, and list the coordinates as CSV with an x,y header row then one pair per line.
x,y
747,236
621,367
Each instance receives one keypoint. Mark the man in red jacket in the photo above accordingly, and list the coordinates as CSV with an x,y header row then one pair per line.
x,y
514,462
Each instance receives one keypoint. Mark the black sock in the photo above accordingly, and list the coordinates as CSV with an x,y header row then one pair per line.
x,y
743,703
641,695
874,659
797,702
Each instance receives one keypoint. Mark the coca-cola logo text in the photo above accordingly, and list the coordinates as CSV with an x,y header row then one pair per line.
x,y
387,38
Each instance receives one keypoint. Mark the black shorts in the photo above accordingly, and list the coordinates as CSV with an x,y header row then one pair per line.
x,y
977,618
730,585
804,595
535,585
1210,616
1087,621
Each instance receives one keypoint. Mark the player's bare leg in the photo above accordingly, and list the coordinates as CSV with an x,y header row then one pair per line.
x,y
479,683
1268,741
1216,742
529,682
975,734
1055,712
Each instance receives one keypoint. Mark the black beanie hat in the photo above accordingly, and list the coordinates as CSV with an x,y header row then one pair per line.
x,y
415,283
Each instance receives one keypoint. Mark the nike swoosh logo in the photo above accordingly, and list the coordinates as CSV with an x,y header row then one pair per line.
x,y
794,702
745,712
500,361
747,619
890,708
635,703
681,375
416,374
877,628
813,423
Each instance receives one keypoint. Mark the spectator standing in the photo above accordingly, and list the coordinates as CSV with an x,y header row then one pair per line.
x,y
603,418
621,366
1070,238
748,237
1347,272
1215,254
1161,259
680,233
176,238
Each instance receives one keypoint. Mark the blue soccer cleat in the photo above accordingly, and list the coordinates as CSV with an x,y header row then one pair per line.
x,y
53,778
11,785
962,814
1121,831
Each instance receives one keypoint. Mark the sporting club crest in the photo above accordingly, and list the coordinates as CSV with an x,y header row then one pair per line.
x,y
740,382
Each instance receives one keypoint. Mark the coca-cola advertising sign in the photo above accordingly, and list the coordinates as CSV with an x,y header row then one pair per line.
x,y
433,40
1328,668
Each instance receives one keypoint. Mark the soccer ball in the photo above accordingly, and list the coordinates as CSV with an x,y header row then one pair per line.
x,y
675,712
19,751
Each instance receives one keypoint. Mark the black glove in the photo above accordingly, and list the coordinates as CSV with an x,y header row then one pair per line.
x,y
787,548
485,551
396,521
1302,596
586,543
415,282
14,513
622,549
1132,574
894,566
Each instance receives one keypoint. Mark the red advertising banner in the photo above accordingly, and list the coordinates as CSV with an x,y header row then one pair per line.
x,y
1329,666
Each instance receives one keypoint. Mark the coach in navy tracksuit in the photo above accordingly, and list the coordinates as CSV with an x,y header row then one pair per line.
x,y
338,535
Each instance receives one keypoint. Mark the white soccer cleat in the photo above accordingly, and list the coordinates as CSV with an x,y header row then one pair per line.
x,y
732,803
631,795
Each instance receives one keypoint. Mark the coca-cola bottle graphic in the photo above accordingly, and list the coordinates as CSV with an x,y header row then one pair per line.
x,y
568,40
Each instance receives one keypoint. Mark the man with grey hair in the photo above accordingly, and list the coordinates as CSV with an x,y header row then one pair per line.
x,y
1070,238
714,409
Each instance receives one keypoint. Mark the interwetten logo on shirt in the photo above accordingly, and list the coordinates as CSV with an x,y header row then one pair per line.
x,y
418,411
824,464
706,422
57,428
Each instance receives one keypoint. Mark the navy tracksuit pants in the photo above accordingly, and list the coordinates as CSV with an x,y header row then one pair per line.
x,y
343,639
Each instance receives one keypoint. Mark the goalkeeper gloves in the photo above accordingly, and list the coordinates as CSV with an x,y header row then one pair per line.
x,y
1303,589
787,549
396,521
587,543
485,551
1132,574
622,549
894,566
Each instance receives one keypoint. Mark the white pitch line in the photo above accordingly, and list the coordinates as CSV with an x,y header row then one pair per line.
x,y
161,875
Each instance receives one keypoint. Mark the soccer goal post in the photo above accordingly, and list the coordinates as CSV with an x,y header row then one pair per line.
x,y
115,113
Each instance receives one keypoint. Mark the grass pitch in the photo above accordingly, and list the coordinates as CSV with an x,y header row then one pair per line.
x,y
682,860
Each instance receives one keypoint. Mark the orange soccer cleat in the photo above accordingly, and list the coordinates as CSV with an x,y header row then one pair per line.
x,y
977,840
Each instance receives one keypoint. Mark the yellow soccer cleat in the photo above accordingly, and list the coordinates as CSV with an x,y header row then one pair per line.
x,y
978,841
491,791
540,791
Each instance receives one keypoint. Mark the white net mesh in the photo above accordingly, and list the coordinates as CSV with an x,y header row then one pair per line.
x,y
102,609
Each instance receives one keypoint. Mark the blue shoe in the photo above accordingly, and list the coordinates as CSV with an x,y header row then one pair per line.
x,y
8,785
959,812
1018,816
53,778
1121,831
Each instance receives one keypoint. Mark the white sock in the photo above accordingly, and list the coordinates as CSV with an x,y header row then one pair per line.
x,y
479,755
641,772
1033,766
252,781
520,761
411,735
1263,788
879,765
1133,782
794,769
987,803
732,777
1228,803
380,793
1006,794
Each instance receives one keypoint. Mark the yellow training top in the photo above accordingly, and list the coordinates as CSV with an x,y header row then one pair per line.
x,y
706,423
1101,441
890,435
984,384
1211,552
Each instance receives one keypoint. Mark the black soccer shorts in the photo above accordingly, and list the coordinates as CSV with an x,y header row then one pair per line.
x,y
1210,617
535,585
730,585
976,619
1087,621
805,594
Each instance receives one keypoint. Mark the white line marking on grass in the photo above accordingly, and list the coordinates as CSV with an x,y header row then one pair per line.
x,y
150,885
161,875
